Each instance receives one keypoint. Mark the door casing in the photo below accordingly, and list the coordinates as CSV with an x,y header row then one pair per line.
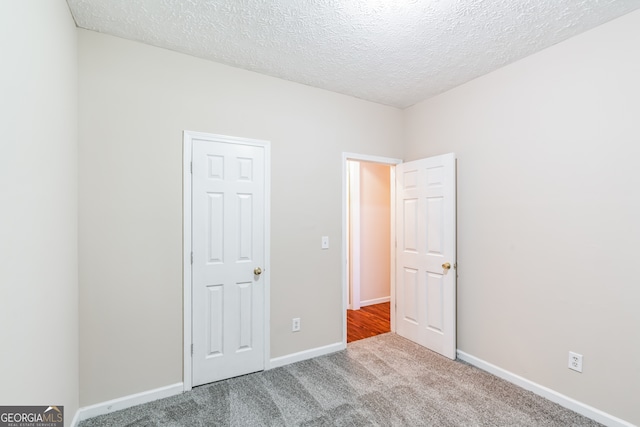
x,y
188,137
353,237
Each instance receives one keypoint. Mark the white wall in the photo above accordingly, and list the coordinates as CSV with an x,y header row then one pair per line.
x,y
548,208
38,199
375,234
135,101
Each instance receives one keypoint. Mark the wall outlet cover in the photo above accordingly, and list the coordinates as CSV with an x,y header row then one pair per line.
x,y
575,361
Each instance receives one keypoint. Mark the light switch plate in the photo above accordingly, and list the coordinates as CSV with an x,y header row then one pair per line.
x,y
325,242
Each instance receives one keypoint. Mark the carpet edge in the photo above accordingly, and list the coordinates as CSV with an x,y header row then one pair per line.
x,y
549,394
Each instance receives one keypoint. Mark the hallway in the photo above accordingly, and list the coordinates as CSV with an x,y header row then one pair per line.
x,y
368,322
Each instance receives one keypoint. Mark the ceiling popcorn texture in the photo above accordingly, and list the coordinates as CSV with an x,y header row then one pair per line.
x,y
394,52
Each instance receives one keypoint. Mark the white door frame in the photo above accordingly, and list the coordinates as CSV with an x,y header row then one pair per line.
x,y
353,230
188,137
345,237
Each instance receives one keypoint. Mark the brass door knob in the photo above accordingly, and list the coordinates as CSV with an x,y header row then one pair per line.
x,y
257,271
446,266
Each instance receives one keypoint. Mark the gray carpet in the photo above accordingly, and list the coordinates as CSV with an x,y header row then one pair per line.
x,y
380,381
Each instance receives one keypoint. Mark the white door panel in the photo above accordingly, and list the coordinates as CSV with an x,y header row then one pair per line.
x,y
426,291
228,243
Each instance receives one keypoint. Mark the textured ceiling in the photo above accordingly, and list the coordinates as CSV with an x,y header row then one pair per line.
x,y
395,52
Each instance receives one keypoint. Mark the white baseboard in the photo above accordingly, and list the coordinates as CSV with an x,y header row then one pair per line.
x,y
171,390
374,301
547,393
307,354
129,401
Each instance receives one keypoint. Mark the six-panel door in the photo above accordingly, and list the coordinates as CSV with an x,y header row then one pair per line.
x,y
425,228
228,227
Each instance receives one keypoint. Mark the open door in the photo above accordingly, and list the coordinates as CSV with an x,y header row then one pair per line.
x,y
426,253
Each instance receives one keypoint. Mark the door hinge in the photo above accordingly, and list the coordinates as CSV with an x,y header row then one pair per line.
x,y
190,167
192,349
191,257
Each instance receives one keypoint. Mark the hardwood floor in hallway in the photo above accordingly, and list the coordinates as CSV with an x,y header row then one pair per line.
x,y
368,322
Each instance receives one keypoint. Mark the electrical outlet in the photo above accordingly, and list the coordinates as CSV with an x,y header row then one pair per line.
x,y
575,361
295,324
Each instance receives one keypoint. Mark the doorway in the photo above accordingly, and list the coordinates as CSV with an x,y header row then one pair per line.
x,y
368,233
423,251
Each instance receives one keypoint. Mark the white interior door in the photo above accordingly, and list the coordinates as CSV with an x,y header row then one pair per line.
x,y
426,251
228,243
